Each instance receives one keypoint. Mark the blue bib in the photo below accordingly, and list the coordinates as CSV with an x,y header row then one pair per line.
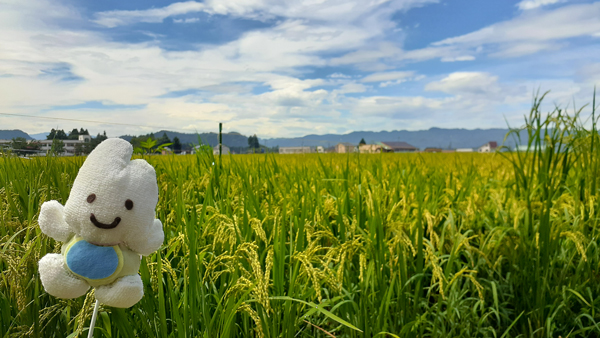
x,y
91,261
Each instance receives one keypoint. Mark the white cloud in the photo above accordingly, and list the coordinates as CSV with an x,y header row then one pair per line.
x,y
465,82
122,17
188,20
526,48
388,76
339,76
531,32
38,58
353,87
325,11
532,4
458,58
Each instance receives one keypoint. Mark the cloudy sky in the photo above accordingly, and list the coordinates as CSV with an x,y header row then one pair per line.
x,y
282,68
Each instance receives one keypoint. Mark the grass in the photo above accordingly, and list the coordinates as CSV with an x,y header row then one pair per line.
x,y
313,245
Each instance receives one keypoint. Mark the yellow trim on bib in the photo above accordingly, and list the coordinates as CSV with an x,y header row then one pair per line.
x,y
117,249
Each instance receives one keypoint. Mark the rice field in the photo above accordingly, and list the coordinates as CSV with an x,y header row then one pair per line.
x,y
339,245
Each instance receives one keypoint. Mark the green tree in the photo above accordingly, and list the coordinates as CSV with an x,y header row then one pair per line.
x,y
362,141
163,139
74,134
79,149
57,134
253,142
176,145
19,145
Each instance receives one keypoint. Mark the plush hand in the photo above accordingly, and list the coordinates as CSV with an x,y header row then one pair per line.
x,y
52,221
106,224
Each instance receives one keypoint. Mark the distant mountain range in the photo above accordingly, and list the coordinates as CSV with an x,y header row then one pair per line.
x,y
40,136
433,137
212,139
10,134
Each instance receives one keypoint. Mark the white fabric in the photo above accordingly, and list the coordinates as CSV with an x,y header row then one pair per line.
x,y
113,178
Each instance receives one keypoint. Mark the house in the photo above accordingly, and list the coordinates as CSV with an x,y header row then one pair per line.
x,y
464,150
432,150
69,148
224,150
489,147
201,148
398,147
345,147
369,148
295,150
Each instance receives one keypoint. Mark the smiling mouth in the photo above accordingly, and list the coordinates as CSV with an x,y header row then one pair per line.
x,y
103,225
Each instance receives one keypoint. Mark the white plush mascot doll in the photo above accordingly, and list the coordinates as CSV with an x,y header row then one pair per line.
x,y
106,225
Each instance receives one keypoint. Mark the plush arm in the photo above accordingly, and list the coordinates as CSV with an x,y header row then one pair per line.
x,y
52,221
147,243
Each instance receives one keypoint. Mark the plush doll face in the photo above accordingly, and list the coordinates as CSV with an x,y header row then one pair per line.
x,y
113,199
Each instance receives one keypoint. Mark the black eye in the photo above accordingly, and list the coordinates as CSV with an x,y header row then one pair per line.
x,y
129,204
91,198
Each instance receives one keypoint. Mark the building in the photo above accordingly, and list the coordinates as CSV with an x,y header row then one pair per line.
x,y
398,147
369,148
345,147
432,150
224,150
296,150
464,150
69,148
489,147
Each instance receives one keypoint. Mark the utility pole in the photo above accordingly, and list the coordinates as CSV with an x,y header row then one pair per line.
x,y
220,141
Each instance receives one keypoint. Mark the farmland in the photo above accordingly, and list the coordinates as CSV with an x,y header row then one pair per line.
x,y
344,245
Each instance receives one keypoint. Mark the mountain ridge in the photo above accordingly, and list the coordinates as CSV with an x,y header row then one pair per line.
x,y
233,139
433,137
9,134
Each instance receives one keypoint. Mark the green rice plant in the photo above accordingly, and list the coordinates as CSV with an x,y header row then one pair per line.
x,y
343,245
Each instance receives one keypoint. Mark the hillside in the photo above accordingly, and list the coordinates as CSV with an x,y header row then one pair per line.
x,y
40,136
10,134
230,139
434,137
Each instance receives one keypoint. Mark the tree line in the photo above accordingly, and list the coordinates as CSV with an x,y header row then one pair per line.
x,y
148,143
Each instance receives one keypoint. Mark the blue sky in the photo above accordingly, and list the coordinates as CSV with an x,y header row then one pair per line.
x,y
291,68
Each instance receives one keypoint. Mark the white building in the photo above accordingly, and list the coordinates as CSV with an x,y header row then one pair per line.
x,y
224,150
70,145
489,147
296,150
345,147
464,150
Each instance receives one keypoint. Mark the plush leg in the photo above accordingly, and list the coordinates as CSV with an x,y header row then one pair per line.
x,y
123,293
57,280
